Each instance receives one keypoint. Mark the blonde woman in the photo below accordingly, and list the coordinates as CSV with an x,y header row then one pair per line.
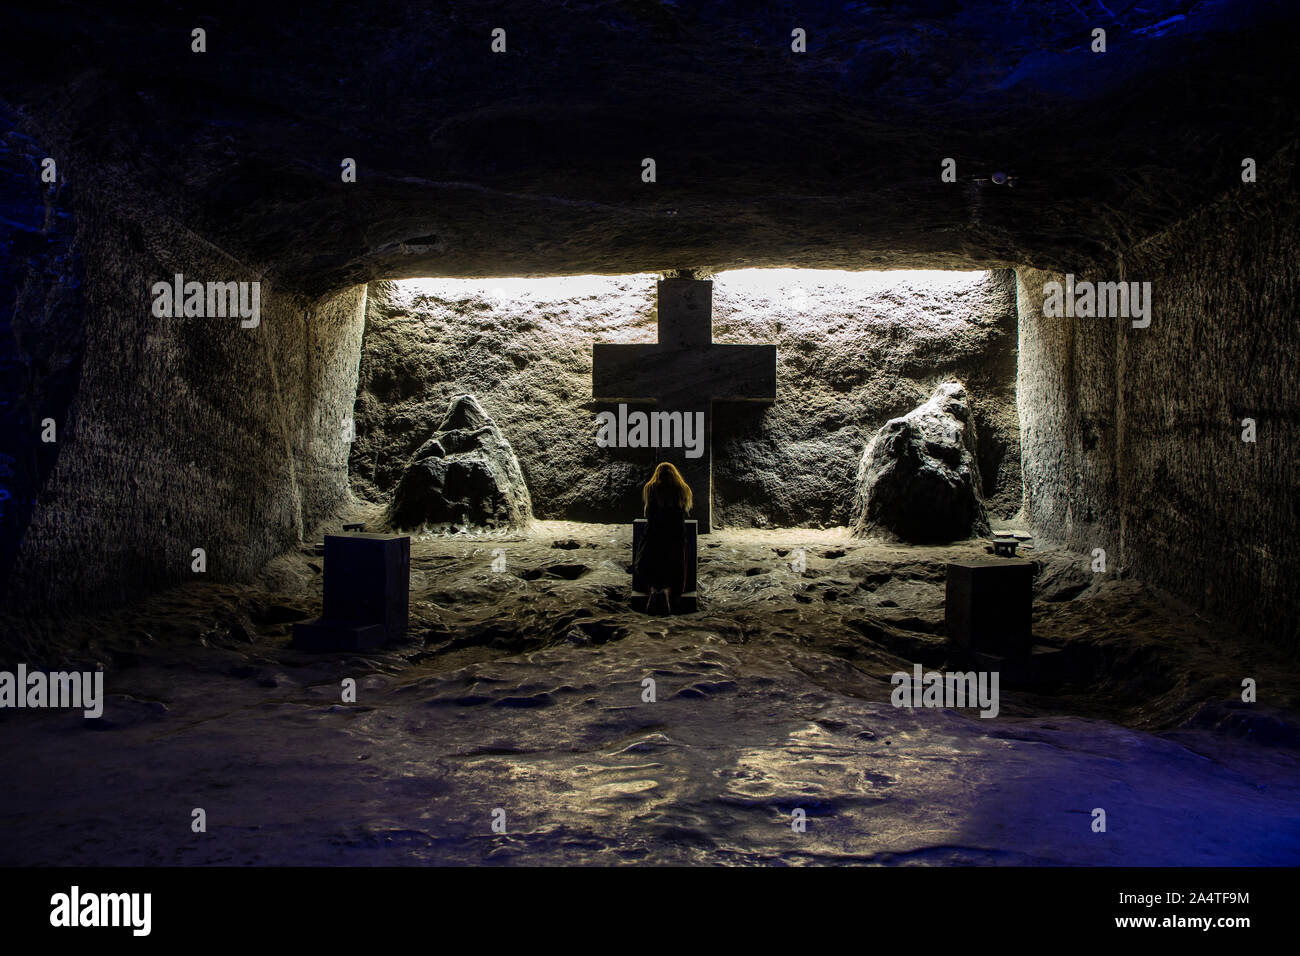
x,y
667,501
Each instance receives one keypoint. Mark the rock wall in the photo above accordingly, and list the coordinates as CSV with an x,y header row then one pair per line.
x,y
849,359
1132,438
1068,419
41,336
181,433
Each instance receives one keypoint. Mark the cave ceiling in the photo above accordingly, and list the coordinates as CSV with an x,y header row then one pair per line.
x,y
529,162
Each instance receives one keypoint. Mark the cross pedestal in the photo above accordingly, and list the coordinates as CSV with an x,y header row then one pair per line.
x,y
685,371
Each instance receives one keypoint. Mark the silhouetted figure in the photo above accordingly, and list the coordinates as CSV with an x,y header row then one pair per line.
x,y
662,558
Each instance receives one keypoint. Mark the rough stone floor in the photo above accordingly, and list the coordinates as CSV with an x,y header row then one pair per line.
x,y
521,690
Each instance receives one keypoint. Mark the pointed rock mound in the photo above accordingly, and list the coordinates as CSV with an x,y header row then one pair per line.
x,y
918,480
466,473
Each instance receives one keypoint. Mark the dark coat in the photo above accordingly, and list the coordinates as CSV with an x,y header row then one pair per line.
x,y
662,558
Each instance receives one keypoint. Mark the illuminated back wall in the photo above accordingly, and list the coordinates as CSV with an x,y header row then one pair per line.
x,y
854,349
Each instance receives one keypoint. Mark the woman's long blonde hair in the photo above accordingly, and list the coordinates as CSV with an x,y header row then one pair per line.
x,y
667,486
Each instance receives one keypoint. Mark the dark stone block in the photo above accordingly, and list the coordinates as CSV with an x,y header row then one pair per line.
x,y
323,635
368,581
692,547
989,605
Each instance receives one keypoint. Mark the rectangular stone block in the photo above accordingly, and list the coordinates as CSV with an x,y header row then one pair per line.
x,y
692,543
322,635
368,581
989,605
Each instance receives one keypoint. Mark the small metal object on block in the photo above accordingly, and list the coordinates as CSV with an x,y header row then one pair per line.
x,y
1005,547
357,526
989,605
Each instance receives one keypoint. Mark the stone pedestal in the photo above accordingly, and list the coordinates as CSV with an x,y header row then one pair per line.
x,y
1005,546
688,601
367,592
989,605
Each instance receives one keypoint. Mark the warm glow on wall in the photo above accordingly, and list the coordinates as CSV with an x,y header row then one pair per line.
x,y
513,288
596,299
757,281
922,280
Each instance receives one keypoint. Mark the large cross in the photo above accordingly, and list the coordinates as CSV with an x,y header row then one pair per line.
x,y
686,372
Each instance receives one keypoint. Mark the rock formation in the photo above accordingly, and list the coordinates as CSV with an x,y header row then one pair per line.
x,y
466,473
918,479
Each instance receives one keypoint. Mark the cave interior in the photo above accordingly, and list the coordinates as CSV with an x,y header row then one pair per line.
x,y
413,208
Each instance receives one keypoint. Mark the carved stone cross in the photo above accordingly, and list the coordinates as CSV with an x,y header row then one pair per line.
x,y
686,372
